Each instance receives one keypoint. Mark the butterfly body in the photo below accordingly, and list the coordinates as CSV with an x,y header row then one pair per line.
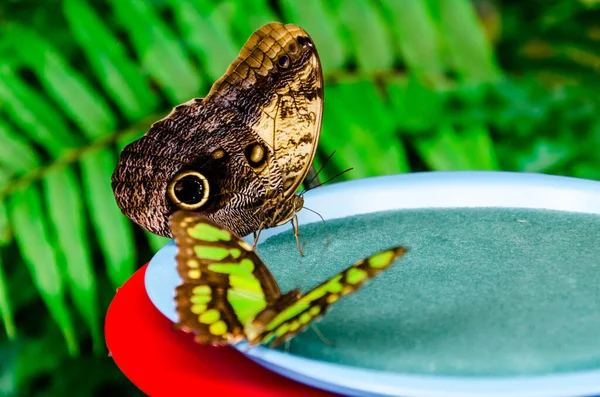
x,y
239,154
228,295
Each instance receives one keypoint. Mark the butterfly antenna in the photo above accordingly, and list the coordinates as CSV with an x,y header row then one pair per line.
x,y
309,185
327,181
309,180
324,225
321,336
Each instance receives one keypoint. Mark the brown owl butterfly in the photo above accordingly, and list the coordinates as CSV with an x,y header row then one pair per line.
x,y
238,155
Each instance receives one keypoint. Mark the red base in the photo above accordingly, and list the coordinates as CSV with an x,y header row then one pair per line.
x,y
164,362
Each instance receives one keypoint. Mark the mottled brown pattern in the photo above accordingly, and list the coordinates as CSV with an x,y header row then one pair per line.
x,y
257,101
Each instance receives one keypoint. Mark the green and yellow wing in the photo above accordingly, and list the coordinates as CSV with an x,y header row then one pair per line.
x,y
292,314
225,284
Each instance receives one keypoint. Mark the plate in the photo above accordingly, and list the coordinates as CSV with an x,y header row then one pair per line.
x,y
473,310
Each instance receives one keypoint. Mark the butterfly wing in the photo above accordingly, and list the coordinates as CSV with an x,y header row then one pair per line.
x,y
251,139
290,315
225,284
278,77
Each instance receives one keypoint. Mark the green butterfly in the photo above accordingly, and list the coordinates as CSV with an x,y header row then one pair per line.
x,y
228,295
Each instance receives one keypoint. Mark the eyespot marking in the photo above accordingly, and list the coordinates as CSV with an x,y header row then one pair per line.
x,y
188,190
256,155
218,154
283,61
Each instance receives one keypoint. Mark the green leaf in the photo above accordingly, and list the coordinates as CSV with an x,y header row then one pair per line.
x,y
207,34
21,290
130,136
6,311
335,136
354,116
478,147
472,54
446,149
43,354
112,227
585,170
313,17
248,15
417,108
369,116
442,151
158,50
371,43
417,37
120,76
544,154
34,114
156,242
5,229
16,153
8,384
68,88
33,239
67,213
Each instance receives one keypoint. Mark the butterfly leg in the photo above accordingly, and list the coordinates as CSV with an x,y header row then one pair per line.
x,y
321,336
297,233
257,235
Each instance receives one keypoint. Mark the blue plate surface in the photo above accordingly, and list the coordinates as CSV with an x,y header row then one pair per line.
x,y
499,295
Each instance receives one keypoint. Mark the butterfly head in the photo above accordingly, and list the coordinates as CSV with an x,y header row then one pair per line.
x,y
277,212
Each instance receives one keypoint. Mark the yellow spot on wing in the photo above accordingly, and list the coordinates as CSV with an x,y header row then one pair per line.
x,y
332,298
202,290
209,316
314,310
382,259
355,275
194,273
211,253
333,285
193,264
305,318
198,308
247,264
347,289
218,328
282,329
203,299
230,268
206,232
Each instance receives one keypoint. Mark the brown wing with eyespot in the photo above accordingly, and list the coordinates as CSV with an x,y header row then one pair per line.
x,y
277,78
252,138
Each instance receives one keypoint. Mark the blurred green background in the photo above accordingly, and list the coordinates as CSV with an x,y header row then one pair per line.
x,y
410,86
